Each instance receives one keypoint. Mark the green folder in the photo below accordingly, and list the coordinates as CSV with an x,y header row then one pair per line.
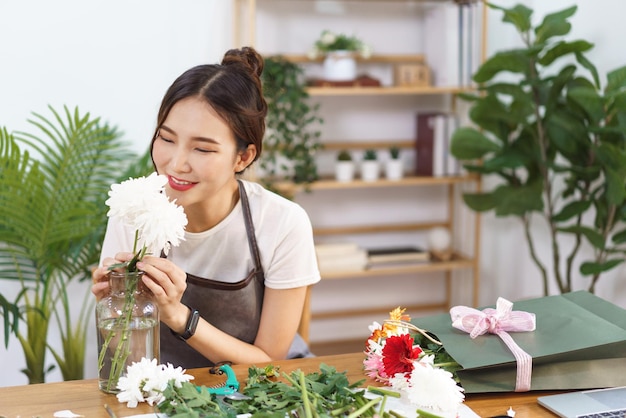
x,y
579,343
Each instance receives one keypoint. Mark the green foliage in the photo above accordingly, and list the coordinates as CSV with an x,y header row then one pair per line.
x,y
324,393
556,141
370,155
52,222
344,155
291,140
394,152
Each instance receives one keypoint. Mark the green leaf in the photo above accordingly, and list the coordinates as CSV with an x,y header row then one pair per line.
x,y
519,16
469,144
514,61
554,24
589,268
594,237
616,80
582,60
619,237
480,202
518,200
590,101
563,48
571,210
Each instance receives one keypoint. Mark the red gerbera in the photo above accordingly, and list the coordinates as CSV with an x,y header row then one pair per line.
x,y
398,354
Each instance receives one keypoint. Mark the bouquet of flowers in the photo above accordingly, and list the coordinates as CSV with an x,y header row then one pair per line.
x,y
413,362
142,205
330,41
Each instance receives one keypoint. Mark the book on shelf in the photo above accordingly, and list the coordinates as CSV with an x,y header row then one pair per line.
x,y
340,257
396,255
432,144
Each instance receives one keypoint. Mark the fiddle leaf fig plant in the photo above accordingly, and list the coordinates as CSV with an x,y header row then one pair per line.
x,y
553,136
292,137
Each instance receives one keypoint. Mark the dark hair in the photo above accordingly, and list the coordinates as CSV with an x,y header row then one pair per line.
x,y
233,88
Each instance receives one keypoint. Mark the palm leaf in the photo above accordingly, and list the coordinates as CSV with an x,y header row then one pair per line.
x,y
53,185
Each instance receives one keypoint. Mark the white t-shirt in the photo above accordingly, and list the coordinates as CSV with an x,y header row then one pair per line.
x,y
284,237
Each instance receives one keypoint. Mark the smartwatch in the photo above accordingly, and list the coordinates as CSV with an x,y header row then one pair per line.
x,y
190,327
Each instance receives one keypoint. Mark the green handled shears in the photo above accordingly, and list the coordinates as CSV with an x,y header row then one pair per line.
x,y
229,388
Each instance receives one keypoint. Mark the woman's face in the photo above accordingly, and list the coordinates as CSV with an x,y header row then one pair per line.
x,y
196,150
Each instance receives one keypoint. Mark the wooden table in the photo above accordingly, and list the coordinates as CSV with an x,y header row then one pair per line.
x,y
83,396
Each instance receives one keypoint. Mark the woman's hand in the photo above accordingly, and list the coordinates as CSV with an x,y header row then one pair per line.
x,y
100,278
167,282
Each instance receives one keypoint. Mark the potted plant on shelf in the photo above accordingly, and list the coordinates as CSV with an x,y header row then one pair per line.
x,y
556,140
344,167
394,167
370,167
52,222
292,137
339,51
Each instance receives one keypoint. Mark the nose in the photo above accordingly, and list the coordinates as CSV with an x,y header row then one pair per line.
x,y
180,161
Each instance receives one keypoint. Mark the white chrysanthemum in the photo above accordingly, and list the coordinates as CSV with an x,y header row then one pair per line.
x,y
163,224
142,205
146,380
431,387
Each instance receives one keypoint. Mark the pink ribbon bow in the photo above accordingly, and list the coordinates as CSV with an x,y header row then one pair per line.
x,y
500,321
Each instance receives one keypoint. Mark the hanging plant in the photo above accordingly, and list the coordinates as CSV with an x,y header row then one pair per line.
x,y
292,138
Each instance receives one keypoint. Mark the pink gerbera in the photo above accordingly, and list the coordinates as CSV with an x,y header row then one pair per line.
x,y
399,354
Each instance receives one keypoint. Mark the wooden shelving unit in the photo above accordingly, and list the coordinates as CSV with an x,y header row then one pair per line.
x,y
452,184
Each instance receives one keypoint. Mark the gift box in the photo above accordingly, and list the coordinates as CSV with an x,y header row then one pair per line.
x,y
579,343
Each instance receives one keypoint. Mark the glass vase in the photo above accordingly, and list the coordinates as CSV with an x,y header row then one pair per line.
x,y
128,327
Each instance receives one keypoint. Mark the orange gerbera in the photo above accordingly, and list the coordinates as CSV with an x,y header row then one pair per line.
x,y
399,354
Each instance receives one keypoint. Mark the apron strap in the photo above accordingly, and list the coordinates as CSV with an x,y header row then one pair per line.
x,y
247,216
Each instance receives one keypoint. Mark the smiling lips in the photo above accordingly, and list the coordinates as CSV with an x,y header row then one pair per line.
x,y
180,185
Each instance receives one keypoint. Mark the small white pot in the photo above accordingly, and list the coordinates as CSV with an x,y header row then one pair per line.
x,y
370,170
344,171
394,169
340,66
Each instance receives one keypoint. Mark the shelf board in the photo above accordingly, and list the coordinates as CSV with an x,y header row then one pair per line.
x,y
457,262
331,184
374,229
374,59
385,91
383,311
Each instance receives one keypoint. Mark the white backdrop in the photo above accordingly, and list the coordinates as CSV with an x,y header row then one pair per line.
x,y
116,58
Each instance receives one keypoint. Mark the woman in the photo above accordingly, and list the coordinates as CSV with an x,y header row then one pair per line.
x,y
234,289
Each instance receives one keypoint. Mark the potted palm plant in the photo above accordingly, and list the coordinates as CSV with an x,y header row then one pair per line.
x,y
555,138
52,219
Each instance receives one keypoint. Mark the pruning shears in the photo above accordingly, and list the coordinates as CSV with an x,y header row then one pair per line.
x,y
230,387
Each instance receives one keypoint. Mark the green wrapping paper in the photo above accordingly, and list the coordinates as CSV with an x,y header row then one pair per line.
x,y
579,343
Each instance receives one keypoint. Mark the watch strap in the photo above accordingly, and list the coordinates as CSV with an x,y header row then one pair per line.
x,y
190,327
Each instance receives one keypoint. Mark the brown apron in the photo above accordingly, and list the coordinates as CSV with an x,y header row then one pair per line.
x,y
234,308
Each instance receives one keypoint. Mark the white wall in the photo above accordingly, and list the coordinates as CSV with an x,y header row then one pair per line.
x,y
116,58
113,58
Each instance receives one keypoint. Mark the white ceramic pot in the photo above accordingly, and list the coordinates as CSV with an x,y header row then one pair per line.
x,y
394,169
370,170
340,66
344,171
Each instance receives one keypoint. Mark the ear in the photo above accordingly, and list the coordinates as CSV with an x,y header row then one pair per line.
x,y
245,158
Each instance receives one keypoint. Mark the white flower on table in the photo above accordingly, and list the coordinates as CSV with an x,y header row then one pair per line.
x,y
146,380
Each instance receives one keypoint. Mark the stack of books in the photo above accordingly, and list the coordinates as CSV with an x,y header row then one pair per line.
x,y
340,257
390,256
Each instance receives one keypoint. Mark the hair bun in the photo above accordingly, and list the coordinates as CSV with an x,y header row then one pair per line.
x,y
246,56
